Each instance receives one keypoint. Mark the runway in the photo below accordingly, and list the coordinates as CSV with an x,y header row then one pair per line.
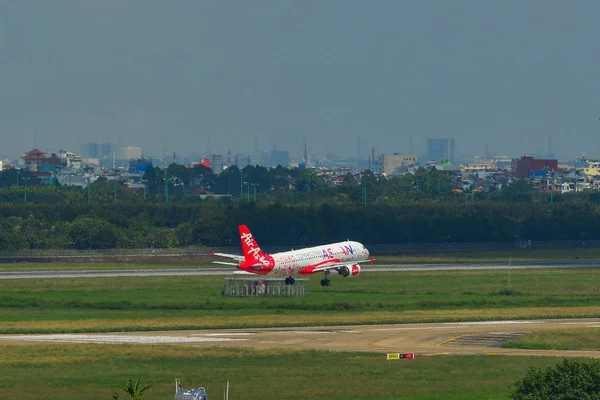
x,y
229,271
462,338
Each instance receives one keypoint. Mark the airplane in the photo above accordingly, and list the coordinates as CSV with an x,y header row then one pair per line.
x,y
342,257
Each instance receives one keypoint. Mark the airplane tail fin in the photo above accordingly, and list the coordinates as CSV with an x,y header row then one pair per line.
x,y
252,252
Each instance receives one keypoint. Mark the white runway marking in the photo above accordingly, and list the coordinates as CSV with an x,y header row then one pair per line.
x,y
74,338
454,325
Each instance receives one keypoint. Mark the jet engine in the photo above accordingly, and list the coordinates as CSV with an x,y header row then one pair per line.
x,y
349,271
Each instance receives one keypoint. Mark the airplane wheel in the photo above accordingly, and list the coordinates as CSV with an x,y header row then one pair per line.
x,y
322,282
287,281
292,281
327,282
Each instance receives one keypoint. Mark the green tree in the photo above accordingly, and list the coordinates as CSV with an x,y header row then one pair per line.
x,y
134,390
569,380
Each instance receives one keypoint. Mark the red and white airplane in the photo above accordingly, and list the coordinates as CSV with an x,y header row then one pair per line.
x,y
343,257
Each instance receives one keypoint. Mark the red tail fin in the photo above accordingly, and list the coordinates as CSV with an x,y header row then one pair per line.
x,y
252,253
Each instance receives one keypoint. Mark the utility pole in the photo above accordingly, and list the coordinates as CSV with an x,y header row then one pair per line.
x,y
166,187
18,172
89,190
241,184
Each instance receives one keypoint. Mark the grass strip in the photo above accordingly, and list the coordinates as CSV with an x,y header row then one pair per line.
x,y
90,371
558,339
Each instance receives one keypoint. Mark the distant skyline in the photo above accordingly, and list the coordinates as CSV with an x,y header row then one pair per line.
x,y
498,75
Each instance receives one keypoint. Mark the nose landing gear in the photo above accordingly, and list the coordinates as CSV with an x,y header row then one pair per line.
x,y
289,281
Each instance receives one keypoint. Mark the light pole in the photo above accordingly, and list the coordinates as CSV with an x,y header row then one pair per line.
x,y
145,182
115,188
364,190
248,186
18,173
89,197
25,192
241,184
254,185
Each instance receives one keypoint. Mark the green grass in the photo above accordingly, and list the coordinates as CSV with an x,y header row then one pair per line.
x,y
130,303
559,339
73,371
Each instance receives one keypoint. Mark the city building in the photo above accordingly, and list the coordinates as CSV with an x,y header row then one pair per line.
x,y
138,166
217,163
524,166
70,159
33,159
439,150
277,157
97,150
396,163
131,153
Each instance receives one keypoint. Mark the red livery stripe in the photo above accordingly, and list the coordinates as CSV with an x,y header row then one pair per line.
x,y
311,268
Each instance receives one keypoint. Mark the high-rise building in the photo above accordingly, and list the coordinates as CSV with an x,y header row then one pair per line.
x,y
131,153
97,150
439,150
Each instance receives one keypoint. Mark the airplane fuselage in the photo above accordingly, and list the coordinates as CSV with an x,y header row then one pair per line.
x,y
304,261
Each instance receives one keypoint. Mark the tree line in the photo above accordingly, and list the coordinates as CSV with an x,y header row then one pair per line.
x,y
292,208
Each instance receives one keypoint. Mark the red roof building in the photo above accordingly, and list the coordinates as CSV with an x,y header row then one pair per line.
x,y
33,159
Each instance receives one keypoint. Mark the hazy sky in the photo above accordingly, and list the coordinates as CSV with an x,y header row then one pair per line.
x,y
507,74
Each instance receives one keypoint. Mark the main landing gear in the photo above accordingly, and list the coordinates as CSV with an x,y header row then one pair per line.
x,y
289,281
326,282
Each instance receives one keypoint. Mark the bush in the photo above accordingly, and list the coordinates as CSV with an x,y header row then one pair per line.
x,y
568,380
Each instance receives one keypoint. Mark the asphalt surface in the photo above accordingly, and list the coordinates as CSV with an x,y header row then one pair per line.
x,y
460,338
230,270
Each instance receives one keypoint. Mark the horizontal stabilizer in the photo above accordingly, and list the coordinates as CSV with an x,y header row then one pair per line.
x,y
225,263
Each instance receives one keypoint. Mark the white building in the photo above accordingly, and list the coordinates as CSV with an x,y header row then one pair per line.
x,y
394,163
131,153
70,159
